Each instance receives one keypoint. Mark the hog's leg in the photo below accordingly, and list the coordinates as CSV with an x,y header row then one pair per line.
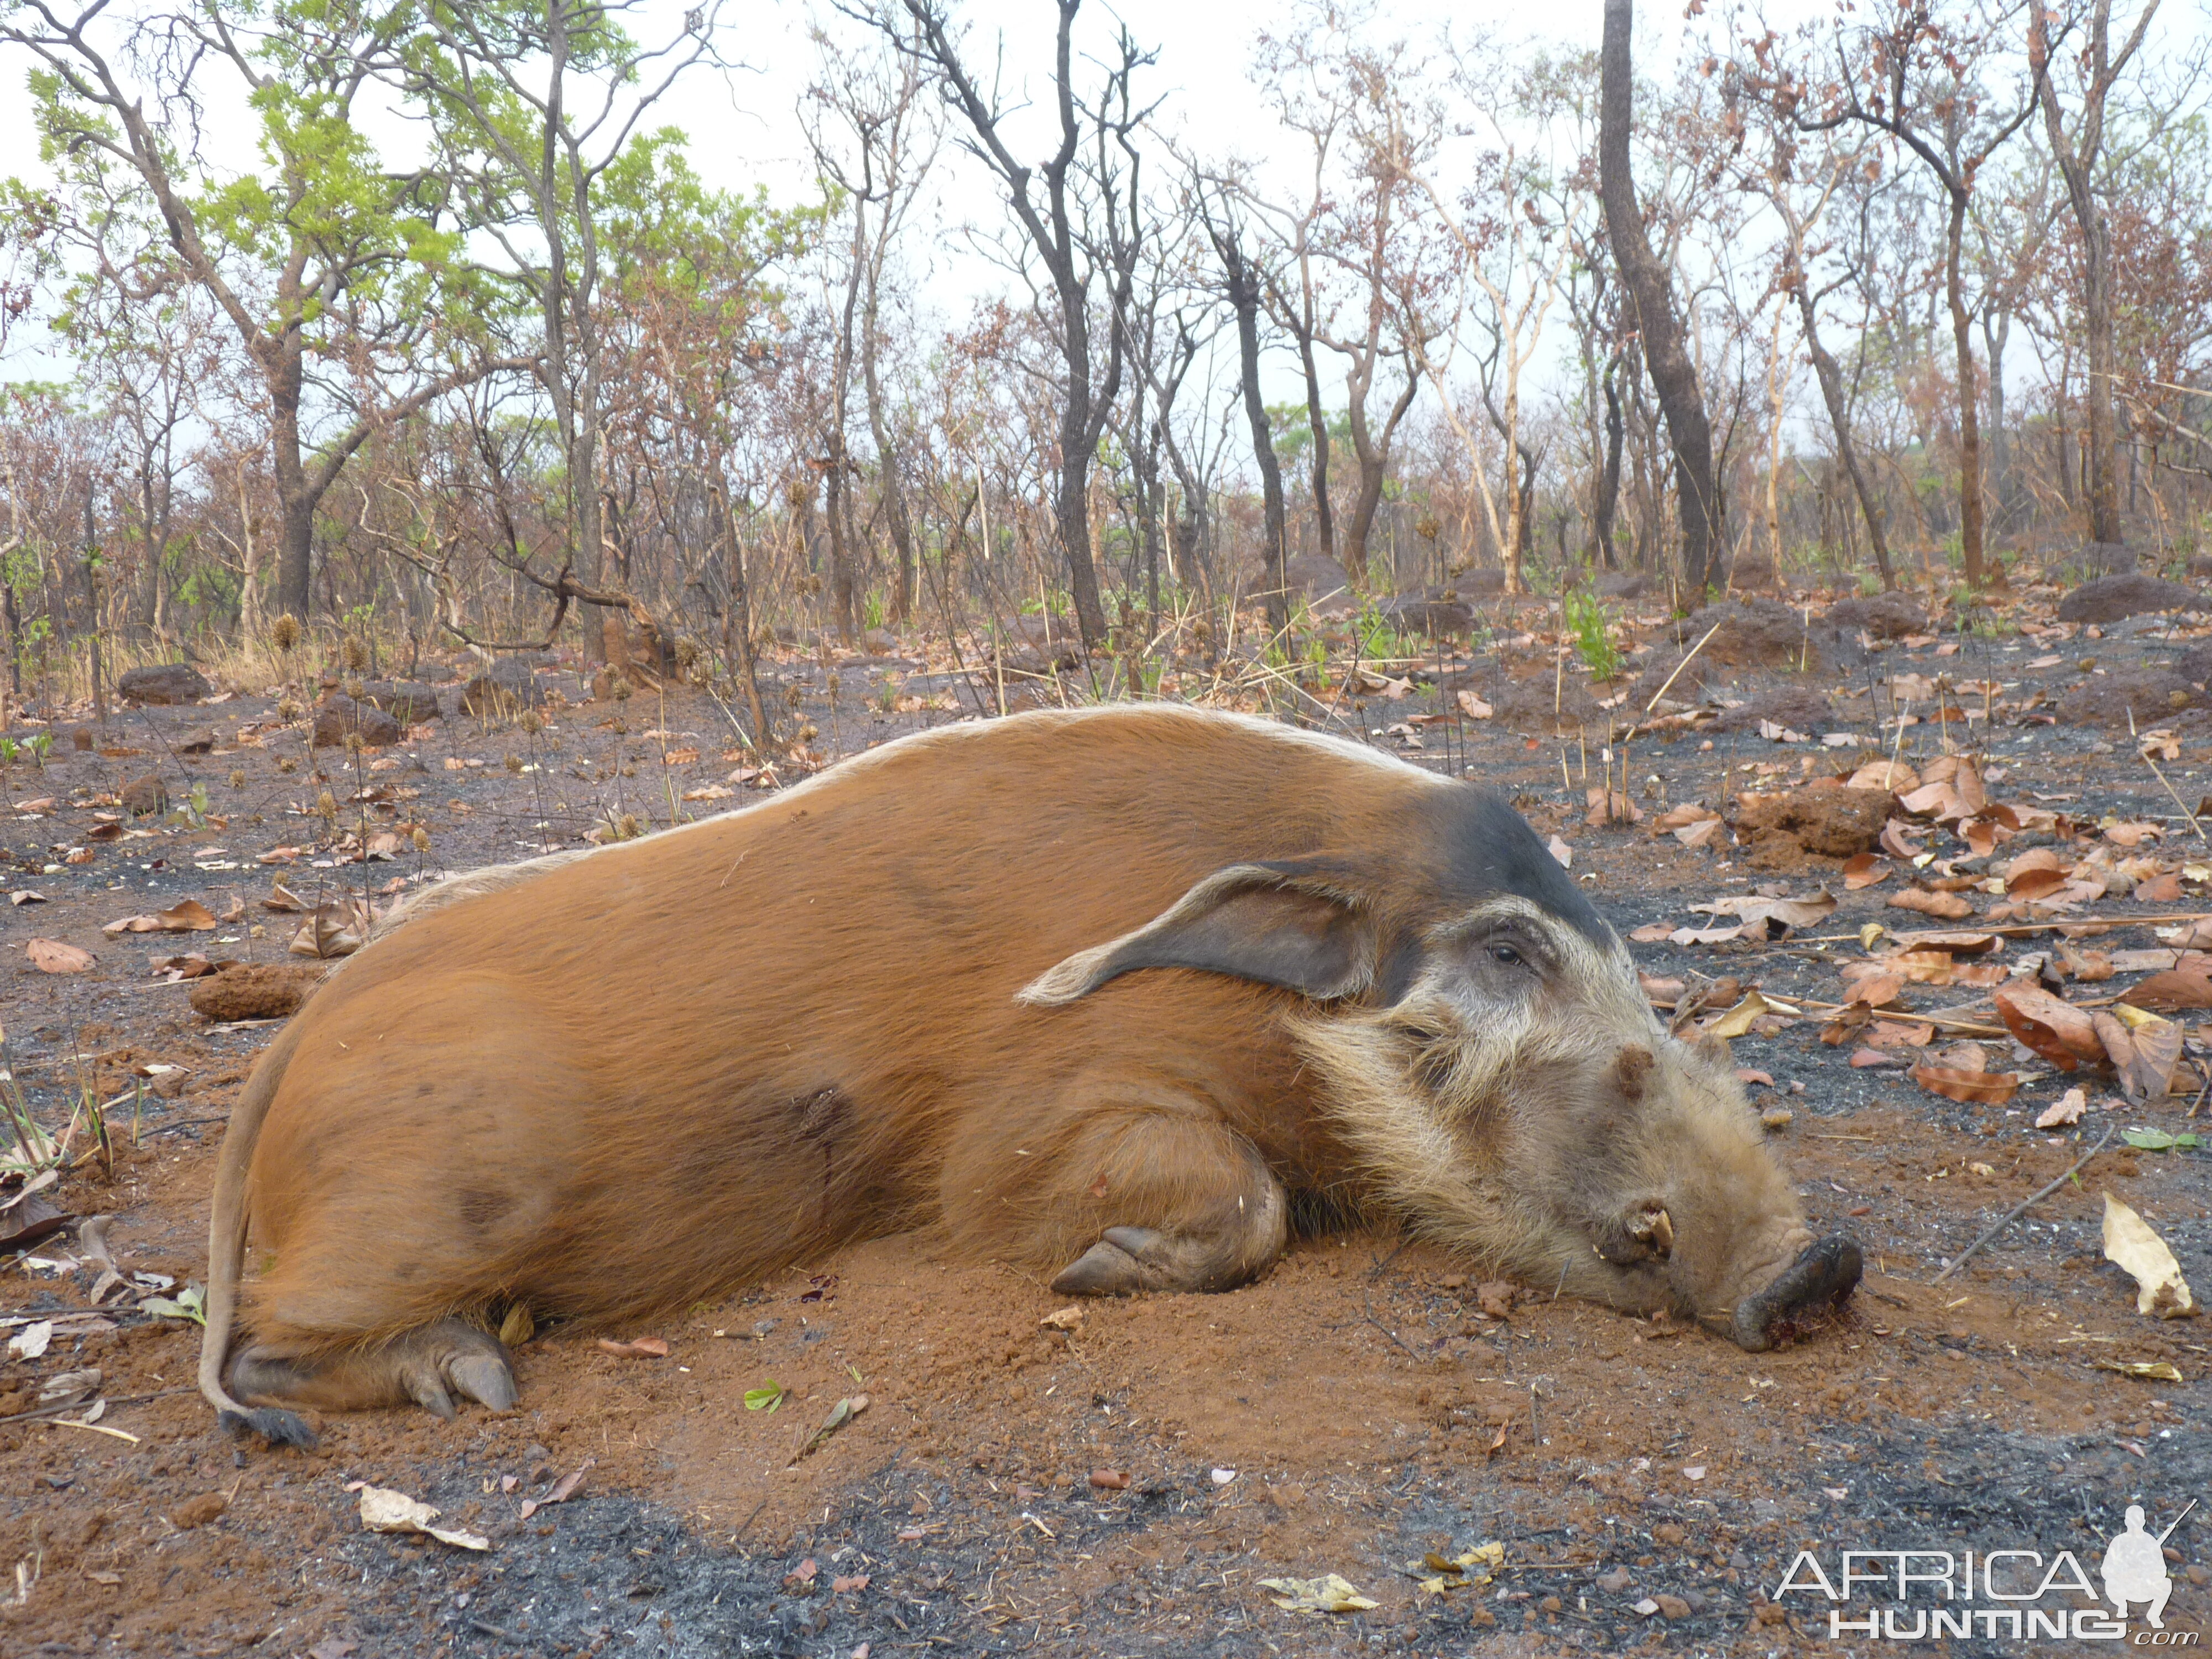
x,y
428,1365
1190,1205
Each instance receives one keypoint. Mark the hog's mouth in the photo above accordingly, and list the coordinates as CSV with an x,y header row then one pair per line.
x,y
1814,1285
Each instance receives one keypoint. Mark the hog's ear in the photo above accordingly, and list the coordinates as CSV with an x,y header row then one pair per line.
x,y
1304,924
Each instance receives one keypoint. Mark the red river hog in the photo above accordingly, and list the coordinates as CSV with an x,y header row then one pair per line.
x,y
1094,991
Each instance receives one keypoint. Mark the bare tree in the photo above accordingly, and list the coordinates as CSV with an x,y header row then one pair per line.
x,y
1051,203
1913,75
1659,328
2077,151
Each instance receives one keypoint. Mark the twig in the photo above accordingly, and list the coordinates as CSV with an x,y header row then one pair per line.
x,y
1680,666
1942,1023
1385,1329
2025,1204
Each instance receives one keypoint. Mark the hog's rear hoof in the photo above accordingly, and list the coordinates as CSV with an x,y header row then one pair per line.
x,y
428,1366
1104,1269
1127,1259
1817,1281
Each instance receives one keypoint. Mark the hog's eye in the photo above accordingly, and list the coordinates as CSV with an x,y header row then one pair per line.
x,y
1505,955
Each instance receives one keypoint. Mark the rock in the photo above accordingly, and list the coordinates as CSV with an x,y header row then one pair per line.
x,y
2153,696
1884,616
1620,584
1753,633
255,990
1798,707
338,717
408,702
1614,1582
144,796
1431,611
200,743
1672,1606
1833,822
164,683
2109,598
504,689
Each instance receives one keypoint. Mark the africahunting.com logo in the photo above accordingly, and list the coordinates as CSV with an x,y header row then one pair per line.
x,y
2017,1595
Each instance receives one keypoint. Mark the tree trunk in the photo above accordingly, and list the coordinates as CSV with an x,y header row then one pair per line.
x,y
1608,483
1831,376
1970,420
1673,377
1245,300
1317,421
1373,458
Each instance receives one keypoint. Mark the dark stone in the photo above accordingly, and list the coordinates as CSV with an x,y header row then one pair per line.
x,y
2110,599
1621,584
2152,696
505,689
164,683
408,702
200,743
1884,616
144,796
338,717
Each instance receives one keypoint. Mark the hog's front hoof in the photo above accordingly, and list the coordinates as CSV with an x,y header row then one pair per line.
x,y
1818,1280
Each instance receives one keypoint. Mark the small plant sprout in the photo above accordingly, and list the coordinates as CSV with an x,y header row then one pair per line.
x,y
767,1398
1585,618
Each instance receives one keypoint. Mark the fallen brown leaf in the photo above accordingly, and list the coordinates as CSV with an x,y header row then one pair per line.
x,y
1865,870
1977,1088
2166,992
2160,889
2057,1031
1950,907
1863,1058
644,1347
51,956
2064,1112
1876,990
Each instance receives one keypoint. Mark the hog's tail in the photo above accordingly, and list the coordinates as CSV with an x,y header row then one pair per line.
x,y
226,1250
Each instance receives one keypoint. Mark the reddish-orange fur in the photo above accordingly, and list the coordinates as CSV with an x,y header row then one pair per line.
x,y
641,1077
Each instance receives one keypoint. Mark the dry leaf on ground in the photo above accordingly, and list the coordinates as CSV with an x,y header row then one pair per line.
x,y
1979,1088
561,1493
383,1510
1876,990
2057,1031
187,916
1865,870
1473,707
645,1347
2173,990
2143,1052
2065,1111
2161,1293
51,956
1950,907
1329,1594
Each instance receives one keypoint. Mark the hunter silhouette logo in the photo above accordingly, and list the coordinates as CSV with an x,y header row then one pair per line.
x,y
2134,1567
1916,1595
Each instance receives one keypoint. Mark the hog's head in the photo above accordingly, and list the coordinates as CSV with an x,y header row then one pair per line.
x,y
1500,1078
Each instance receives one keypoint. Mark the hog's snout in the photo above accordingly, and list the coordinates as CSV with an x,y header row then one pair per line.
x,y
1818,1280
